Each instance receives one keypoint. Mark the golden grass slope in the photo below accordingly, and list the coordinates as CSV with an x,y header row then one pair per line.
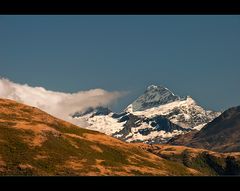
x,y
33,142
201,160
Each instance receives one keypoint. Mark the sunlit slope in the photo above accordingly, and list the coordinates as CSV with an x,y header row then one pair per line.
x,y
33,142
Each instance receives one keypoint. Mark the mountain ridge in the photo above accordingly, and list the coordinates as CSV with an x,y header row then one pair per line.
x,y
149,125
221,134
154,96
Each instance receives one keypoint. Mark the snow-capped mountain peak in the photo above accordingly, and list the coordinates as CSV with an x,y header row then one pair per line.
x,y
154,96
184,112
154,117
152,87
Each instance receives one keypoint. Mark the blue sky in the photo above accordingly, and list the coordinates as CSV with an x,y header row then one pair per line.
x,y
191,55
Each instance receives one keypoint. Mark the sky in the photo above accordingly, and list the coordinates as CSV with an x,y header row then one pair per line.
x,y
190,55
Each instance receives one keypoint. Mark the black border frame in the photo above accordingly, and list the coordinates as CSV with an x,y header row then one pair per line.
x,y
114,8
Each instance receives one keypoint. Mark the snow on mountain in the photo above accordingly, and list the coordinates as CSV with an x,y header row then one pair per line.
x,y
153,97
149,130
183,112
94,111
98,119
131,128
155,117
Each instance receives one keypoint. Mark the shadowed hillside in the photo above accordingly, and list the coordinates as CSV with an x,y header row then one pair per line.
x,y
221,135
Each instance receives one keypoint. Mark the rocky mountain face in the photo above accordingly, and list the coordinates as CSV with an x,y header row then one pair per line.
x,y
155,117
185,113
222,134
156,129
94,111
154,96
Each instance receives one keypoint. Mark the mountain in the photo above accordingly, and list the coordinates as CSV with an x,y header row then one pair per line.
x,y
94,111
132,128
148,130
154,96
184,112
33,142
222,134
155,117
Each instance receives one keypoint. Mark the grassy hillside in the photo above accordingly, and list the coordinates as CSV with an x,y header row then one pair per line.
x,y
34,143
203,161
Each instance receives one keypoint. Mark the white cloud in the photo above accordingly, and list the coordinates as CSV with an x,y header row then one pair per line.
x,y
58,104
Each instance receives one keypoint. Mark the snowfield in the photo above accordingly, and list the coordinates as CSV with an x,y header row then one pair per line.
x,y
188,114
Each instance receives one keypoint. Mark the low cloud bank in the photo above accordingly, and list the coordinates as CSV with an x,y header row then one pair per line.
x,y
58,104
